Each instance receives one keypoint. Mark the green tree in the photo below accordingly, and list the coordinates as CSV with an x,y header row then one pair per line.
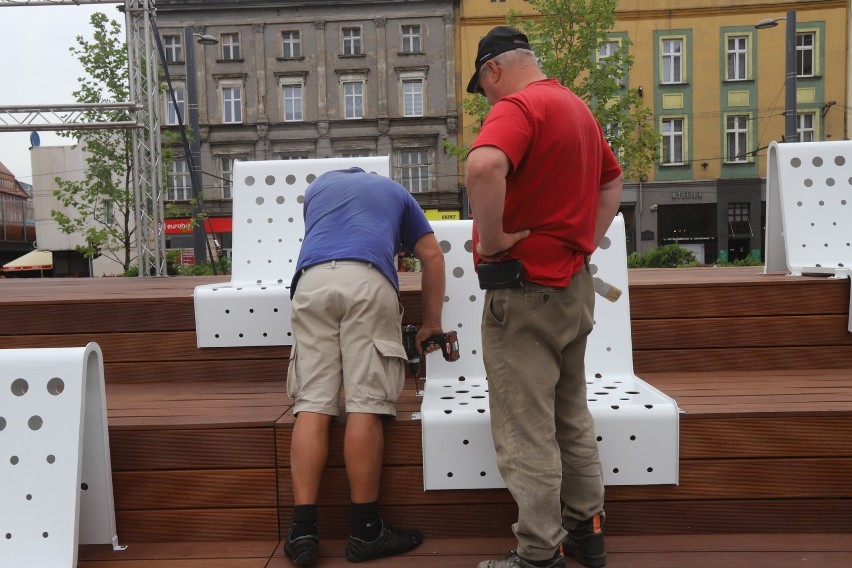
x,y
567,36
102,206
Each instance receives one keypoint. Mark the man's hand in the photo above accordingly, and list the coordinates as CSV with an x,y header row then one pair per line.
x,y
495,251
425,333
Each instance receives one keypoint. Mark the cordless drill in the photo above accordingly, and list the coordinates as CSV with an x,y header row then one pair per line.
x,y
447,341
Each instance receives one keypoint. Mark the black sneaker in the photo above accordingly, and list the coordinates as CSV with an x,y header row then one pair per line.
x,y
515,560
303,550
390,542
586,543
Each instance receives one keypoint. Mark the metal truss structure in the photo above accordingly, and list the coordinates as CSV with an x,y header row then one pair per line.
x,y
145,129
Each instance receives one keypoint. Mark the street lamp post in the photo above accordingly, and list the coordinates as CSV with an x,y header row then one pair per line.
x,y
791,133
199,234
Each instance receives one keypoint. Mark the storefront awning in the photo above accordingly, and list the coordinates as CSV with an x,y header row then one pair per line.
x,y
33,260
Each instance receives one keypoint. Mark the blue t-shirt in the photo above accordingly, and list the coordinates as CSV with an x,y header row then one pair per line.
x,y
354,215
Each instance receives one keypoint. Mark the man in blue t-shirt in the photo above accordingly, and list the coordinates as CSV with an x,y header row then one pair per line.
x,y
347,330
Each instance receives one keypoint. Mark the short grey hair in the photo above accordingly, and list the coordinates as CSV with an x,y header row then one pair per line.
x,y
522,57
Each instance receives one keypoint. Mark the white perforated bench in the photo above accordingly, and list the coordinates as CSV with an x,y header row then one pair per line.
x,y
637,425
809,209
254,308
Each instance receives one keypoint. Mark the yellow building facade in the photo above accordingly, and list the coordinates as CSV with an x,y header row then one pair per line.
x,y
716,86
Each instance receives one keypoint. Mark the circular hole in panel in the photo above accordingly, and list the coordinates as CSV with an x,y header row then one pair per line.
x,y
598,376
259,200
20,387
821,203
14,460
843,202
799,203
462,379
829,182
600,438
447,397
29,497
458,272
84,486
472,298
839,160
615,470
249,221
227,311
251,310
2,423
8,536
275,310
632,392
290,179
265,334
592,399
462,392
35,423
478,396
605,243
217,336
445,246
809,182
473,352
615,407
463,403
650,469
55,386
795,162
270,180
593,269
817,161
609,349
480,410
250,180
466,442
310,178
481,474
290,219
446,299
632,438
649,406
300,199
269,220
279,200
44,535
51,459
449,474
602,393
448,412
241,335
468,246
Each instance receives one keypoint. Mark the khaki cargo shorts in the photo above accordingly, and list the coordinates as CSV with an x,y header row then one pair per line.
x,y
346,331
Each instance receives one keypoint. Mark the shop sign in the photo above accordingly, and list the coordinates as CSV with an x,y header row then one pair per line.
x,y
687,195
212,225
442,215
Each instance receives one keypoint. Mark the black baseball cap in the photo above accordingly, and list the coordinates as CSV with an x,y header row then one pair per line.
x,y
499,40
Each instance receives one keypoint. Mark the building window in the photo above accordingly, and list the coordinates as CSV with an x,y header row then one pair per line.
x,y
172,118
805,43
606,50
739,224
351,41
226,172
230,46
414,170
292,93
109,211
293,156
736,132
353,99
173,48
611,132
179,186
232,106
672,64
412,96
292,42
411,39
737,58
805,126
672,130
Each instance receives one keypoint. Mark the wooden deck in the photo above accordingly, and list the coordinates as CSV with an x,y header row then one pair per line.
x,y
761,365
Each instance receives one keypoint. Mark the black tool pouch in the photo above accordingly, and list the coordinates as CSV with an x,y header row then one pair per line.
x,y
509,274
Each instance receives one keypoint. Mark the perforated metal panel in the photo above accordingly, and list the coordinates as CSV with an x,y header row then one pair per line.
x,y
55,470
254,308
809,208
637,425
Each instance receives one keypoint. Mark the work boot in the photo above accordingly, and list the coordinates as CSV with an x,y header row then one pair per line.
x,y
585,543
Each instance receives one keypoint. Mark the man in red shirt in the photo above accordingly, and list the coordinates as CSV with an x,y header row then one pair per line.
x,y
544,186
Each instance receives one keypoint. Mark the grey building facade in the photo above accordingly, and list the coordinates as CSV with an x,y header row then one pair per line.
x,y
317,79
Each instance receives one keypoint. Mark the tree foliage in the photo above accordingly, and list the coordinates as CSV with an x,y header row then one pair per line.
x,y
567,36
101,206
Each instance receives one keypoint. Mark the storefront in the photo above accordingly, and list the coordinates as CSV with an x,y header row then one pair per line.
x,y
179,235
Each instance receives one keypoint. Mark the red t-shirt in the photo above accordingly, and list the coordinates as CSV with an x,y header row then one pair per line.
x,y
559,159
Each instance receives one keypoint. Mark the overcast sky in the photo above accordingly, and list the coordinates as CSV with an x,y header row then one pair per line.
x,y
37,68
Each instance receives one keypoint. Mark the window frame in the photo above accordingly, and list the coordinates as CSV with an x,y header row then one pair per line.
x,y
599,57
405,179
173,50
170,107
294,42
233,46
681,58
410,38
801,50
353,79
351,45
228,86
672,136
289,82
179,170
738,53
801,130
738,132
410,78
